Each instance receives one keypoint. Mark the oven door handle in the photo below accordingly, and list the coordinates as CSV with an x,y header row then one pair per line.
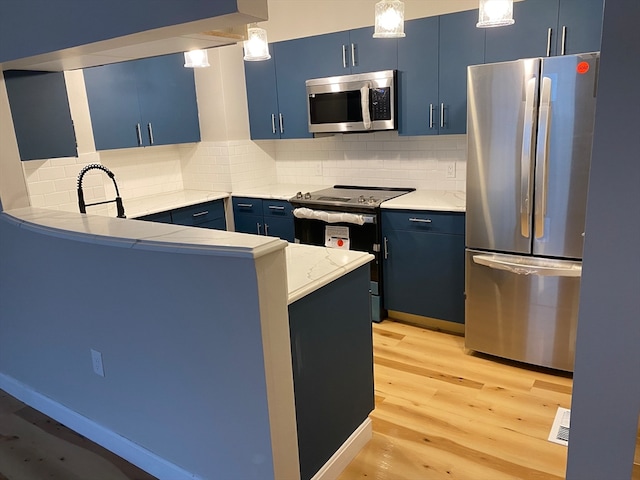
x,y
334,217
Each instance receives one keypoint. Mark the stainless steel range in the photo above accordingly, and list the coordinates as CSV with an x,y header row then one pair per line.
x,y
347,217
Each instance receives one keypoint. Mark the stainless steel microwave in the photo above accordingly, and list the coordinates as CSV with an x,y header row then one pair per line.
x,y
352,103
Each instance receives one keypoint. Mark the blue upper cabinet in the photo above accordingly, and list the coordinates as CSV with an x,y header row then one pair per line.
x,y
167,98
142,102
531,36
418,78
296,62
546,28
432,72
579,26
461,45
368,54
276,91
113,105
262,98
41,116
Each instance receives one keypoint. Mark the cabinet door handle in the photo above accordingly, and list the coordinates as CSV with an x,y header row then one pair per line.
x,y
344,56
244,205
386,248
564,40
549,41
353,54
266,229
281,118
139,134
275,207
420,220
150,129
442,115
273,123
258,227
431,115
199,214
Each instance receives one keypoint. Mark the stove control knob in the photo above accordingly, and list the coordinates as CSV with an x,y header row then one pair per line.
x,y
299,195
371,200
307,196
361,199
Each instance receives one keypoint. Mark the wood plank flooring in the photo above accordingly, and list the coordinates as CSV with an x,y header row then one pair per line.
x,y
441,413
444,413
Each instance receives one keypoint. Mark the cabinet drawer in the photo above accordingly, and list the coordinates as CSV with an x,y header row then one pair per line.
x,y
246,205
424,221
277,208
197,214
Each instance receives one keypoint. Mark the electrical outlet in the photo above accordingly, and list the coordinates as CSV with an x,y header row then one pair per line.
x,y
451,170
96,360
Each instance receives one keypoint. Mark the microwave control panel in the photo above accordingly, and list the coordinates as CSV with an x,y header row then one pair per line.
x,y
380,103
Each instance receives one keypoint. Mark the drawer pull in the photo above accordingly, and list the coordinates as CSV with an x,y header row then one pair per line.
x,y
420,220
245,205
199,214
275,207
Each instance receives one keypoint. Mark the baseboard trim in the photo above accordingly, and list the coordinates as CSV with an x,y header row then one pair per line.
x,y
427,322
130,451
346,453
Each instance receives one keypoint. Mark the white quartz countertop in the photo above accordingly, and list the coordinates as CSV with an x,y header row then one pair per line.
x,y
439,200
310,268
138,207
129,233
278,191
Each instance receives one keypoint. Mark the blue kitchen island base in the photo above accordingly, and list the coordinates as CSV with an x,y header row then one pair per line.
x,y
332,357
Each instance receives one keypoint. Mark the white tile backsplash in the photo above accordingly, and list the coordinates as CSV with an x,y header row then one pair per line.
x,y
374,159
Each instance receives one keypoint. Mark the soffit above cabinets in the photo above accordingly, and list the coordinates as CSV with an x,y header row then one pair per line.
x,y
201,34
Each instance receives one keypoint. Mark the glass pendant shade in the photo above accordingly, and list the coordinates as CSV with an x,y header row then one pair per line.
x,y
256,47
196,59
389,19
495,13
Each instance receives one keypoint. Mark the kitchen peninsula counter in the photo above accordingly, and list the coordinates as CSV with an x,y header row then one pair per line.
x,y
203,314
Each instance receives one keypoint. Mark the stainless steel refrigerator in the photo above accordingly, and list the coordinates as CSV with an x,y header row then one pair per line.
x,y
529,129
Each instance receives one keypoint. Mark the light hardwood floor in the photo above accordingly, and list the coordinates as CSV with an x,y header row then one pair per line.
x,y
445,413
441,413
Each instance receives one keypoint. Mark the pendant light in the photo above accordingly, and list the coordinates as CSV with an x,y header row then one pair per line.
x,y
389,19
495,13
256,47
196,59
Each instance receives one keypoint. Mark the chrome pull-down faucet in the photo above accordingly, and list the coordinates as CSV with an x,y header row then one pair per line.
x,y
118,200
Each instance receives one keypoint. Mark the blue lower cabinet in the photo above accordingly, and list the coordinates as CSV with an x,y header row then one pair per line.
x,y
203,215
332,360
273,218
424,263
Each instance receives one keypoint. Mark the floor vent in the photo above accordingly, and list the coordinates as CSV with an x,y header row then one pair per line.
x,y
560,428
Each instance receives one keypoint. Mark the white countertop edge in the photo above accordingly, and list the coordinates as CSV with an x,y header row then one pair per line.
x,y
429,200
153,231
320,282
162,202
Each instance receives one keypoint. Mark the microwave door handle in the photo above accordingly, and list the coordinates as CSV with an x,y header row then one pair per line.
x,y
364,103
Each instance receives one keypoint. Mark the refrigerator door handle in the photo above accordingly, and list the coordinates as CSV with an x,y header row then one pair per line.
x,y
525,158
552,269
542,155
